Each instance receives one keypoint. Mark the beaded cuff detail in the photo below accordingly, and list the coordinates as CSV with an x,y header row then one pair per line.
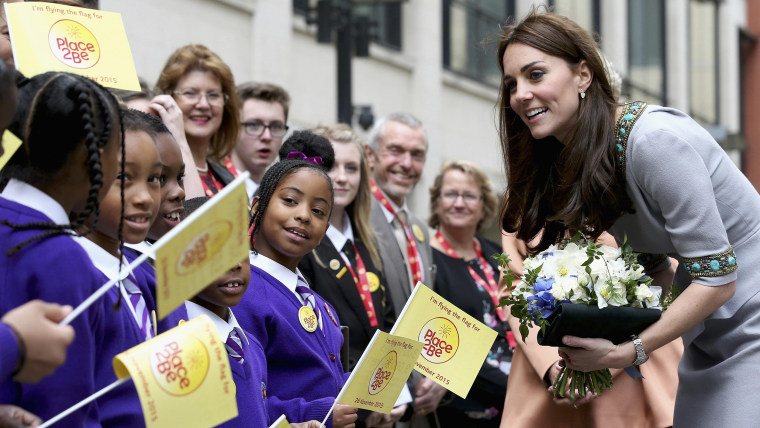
x,y
631,113
650,261
716,265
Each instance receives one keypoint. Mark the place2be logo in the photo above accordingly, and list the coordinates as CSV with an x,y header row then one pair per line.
x,y
203,247
73,44
383,373
179,368
441,340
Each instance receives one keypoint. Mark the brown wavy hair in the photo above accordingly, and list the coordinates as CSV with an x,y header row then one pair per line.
x,y
200,58
550,185
359,210
490,201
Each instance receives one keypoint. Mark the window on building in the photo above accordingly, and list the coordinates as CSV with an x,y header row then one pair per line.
x,y
385,18
703,62
646,52
470,30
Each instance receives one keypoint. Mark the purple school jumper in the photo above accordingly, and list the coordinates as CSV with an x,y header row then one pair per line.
x,y
8,352
120,407
54,269
146,277
304,369
250,377
251,382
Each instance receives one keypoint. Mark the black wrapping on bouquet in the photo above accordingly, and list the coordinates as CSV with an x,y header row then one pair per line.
x,y
614,323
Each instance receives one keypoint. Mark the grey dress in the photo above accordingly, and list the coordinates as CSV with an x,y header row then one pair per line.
x,y
693,204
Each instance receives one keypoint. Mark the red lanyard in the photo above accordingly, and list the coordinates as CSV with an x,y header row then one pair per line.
x,y
362,284
411,245
230,166
211,185
491,286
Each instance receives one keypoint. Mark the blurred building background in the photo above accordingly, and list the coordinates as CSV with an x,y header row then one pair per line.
x,y
436,59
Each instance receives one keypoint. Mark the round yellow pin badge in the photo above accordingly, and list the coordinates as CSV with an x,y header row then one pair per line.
x,y
418,233
308,319
374,282
334,264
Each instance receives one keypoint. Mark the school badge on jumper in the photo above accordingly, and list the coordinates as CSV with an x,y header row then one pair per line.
x,y
374,282
418,233
334,264
330,314
308,319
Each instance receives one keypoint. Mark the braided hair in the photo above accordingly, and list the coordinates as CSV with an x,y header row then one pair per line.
x,y
272,178
58,112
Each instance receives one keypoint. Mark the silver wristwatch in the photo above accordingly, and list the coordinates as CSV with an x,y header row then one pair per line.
x,y
641,355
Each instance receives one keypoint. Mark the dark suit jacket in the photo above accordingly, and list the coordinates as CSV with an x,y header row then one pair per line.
x,y
398,279
393,258
343,295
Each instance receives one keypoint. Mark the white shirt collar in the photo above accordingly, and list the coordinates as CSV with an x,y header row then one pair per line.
x,y
223,327
103,260
251,187
32,197
389,215
287,277
338,237
143,247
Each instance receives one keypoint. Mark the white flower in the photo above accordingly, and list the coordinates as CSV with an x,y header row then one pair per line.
x,y
633,273
610,253
649,295
610,292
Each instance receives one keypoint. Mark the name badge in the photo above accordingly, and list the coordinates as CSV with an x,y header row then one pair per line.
x,y
308,319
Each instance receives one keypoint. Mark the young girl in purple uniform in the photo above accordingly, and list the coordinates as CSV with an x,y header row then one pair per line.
x,y
71,132
247,360
127,212
298,329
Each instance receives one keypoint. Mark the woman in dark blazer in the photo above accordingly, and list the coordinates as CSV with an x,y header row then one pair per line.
x,y
346,268
462,202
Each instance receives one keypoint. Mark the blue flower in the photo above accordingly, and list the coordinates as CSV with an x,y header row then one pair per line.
x,y
543,284
543,302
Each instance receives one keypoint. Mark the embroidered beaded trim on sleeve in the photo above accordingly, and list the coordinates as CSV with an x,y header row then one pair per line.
x,y
650,261
631,113
716,265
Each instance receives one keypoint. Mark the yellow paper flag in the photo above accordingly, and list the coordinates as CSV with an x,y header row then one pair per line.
x,y
52,37
454,343
202,247
281,422
182,376
10,144
381,373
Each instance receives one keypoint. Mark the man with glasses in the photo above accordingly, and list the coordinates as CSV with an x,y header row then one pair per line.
x,y
396,153
263,118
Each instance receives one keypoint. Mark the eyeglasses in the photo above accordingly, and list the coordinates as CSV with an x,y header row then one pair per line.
x,y
194,97
468,198
255,128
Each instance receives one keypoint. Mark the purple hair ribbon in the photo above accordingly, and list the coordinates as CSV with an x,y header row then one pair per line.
x,y
299,155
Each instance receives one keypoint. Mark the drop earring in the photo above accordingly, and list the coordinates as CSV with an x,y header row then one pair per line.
x,y
583,93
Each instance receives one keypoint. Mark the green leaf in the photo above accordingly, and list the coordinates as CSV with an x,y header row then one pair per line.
x,y
523,331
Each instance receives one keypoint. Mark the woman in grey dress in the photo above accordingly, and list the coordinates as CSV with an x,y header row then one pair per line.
x,y
576,160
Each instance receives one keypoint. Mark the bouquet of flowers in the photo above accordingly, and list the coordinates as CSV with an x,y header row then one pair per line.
x,y
583,289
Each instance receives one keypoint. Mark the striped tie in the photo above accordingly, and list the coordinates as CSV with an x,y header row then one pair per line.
x,y
138,303
308,297
235,346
